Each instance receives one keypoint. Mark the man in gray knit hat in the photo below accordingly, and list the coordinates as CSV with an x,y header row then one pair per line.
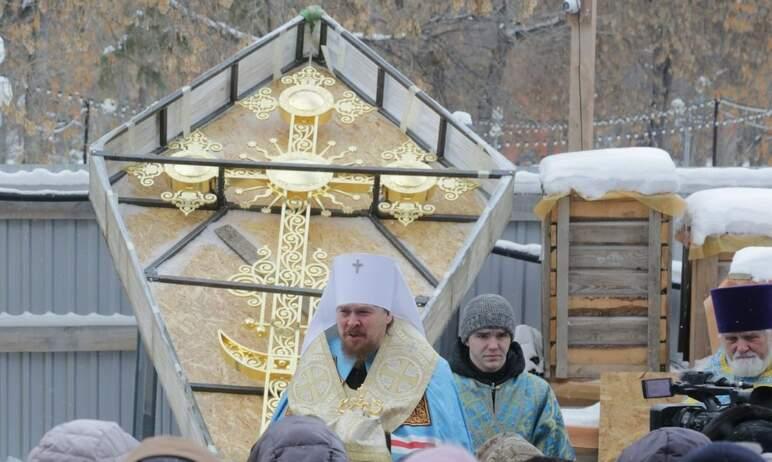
x,y
496,392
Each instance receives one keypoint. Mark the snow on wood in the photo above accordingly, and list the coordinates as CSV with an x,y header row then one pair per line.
x,y
50,319
592,174
527,182
754,261
728,210
530,249
42,181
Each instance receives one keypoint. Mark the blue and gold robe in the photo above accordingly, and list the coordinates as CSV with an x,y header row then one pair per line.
x,y
438,417
524,404
718,365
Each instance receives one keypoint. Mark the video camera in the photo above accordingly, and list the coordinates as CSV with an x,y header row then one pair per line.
x,y
714,396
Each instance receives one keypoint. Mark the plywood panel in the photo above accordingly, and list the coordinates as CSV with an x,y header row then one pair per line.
x,y
624,413
616,355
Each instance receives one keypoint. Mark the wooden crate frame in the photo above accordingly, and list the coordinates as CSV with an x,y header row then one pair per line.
x,y
605,282
704,274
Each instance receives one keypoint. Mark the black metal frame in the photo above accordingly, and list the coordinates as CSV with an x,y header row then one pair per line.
x,y
160,109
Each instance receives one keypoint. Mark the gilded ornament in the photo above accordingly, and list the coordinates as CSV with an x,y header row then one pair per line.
x,y
262,103
145,173
188,201
406,212
350,107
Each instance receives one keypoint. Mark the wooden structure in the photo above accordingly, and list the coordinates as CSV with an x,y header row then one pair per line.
x,y
703,274
605,287
179,276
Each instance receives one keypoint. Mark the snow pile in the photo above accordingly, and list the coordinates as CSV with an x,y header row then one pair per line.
x,y
592,174
530,249
728,210
44,181
755,261
582,417
527,182
696,179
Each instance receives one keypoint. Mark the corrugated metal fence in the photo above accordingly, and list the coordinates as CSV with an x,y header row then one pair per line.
x,y
61,266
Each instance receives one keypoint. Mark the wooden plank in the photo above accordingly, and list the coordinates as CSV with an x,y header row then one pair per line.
x,y
238,243
607,282
583,437
593,371
616,355
704,278
609,232
562,288
575,392
608,306
723,269
654,289
582,77
606,256
610,209
554,235
601,330
726,256
68,335
546,292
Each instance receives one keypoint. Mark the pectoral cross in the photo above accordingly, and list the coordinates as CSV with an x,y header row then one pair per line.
x,y
357,264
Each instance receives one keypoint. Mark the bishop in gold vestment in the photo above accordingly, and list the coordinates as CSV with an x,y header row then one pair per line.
x,y
368,371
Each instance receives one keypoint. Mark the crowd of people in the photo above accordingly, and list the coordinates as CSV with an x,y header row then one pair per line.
x,y
370,387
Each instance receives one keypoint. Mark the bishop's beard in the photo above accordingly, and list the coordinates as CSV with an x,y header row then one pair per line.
x,y
749,365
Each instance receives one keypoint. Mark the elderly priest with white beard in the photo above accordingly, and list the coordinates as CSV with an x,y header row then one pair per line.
x,y
368,371
744,320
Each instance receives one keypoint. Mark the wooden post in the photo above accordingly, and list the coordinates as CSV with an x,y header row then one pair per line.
x,y
561,344
546,292
582,77
704,278
654,289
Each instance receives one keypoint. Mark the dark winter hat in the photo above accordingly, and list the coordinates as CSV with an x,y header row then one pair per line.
x,y
743,308
486,311
666,444
723,452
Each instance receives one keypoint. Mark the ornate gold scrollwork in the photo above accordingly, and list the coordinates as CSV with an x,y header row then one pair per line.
x,y
406,212
455,187
350,107
188,201
145,173
262,103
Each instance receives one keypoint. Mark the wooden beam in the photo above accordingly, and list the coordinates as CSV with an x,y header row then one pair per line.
x,y
561,370
582,77
654,289
704,278
48,333
546,292
609,330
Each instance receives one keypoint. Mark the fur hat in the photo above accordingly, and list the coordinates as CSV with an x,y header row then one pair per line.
x,y
486,311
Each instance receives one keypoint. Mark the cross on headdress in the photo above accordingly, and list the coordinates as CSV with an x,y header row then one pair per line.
x,y
357,264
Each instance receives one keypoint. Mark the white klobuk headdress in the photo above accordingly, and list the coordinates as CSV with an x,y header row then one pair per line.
x,y
363,278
